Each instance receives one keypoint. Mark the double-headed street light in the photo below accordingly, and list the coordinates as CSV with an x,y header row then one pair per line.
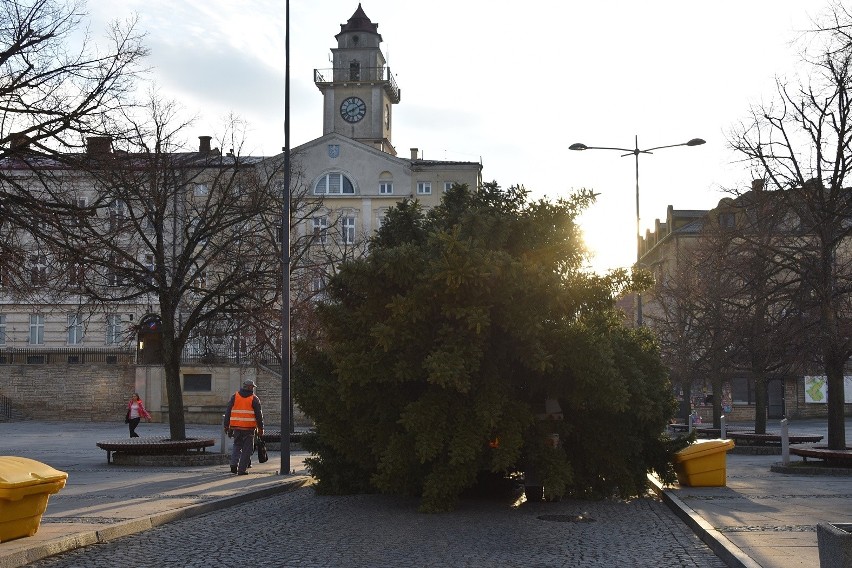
x,y
636,151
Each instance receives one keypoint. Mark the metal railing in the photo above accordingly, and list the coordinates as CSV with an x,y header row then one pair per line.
x,y
323,77
66,356
5,408
224,355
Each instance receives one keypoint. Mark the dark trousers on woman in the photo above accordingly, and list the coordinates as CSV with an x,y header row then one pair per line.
x,y
134,422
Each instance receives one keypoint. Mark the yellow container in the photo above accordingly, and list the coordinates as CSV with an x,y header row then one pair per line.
x,y
702,464
25,485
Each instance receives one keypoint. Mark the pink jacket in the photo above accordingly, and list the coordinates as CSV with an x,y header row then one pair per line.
x,y
142,411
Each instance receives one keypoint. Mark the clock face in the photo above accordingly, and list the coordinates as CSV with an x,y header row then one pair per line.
x,y
353,109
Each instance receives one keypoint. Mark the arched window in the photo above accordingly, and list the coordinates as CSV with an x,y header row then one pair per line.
x,y
334,184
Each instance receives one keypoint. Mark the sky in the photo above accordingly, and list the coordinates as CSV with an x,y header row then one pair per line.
x,y
509,84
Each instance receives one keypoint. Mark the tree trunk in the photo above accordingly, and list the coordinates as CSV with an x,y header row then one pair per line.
x,y
177,425
171,365
717,399
760,399
836,419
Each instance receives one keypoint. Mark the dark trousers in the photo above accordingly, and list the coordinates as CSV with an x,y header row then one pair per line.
x,y
243,448
134,422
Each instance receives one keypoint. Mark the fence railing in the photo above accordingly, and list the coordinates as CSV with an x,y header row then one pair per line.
x,y
222,355
191,355
5,408
66,355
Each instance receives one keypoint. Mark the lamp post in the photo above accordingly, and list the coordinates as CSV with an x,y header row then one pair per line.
x,y
285,263
635,152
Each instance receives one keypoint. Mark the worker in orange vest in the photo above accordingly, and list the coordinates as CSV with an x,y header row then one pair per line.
x,y
243,418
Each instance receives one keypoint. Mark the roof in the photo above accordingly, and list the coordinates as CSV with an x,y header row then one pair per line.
x,y
359,22
74,160
442,163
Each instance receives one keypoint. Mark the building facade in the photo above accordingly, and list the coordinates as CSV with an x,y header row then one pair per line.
x,y
350,176
706,260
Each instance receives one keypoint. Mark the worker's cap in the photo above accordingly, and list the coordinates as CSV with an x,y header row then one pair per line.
x,y
249,383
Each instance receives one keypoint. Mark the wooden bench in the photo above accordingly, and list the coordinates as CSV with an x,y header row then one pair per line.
x,y
154,446
273,439
700,430
830,457
771,439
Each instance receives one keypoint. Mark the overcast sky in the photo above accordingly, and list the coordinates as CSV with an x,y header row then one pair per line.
x,y
512,84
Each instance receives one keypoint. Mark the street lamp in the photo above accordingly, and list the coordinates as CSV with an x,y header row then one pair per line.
x,y
285,262
636,151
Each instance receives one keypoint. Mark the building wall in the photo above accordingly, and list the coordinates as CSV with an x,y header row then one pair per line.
x,y
794,405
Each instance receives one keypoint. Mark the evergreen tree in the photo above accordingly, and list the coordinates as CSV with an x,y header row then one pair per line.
x,y
440,348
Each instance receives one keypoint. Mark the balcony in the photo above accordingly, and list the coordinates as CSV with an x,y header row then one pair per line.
x,y
323,78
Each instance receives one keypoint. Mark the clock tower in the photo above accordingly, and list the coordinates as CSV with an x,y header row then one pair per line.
x,y
359,91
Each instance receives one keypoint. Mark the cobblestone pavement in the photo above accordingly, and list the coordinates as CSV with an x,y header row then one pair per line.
x,y
302,529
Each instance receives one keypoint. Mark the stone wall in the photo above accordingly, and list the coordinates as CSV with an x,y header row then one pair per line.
x,y
77,393
99,393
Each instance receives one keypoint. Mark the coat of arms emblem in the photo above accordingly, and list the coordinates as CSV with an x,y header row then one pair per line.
x,y
333,150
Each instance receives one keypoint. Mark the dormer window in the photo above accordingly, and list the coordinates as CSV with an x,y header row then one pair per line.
x,y
727,220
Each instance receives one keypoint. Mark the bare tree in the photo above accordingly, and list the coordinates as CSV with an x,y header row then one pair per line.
x,y
761,316
694,303
194,235
801,146
54,91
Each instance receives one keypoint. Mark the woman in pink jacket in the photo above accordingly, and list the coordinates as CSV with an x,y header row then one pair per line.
x,y
135,412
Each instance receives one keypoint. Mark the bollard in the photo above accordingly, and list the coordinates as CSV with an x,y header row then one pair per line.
x,y
785,442
224,442
691,422
723,430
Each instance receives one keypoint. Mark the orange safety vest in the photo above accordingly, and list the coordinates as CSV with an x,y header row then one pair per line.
x,y
242,413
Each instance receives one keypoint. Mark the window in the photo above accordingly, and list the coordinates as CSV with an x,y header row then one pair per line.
x,y
38,269
117,211
320,229
198,382
201,280
197,230
113,329
200,190
75,329
36,329
742,390
76,275
354,71
2,329
448,185
150,223
114,276
386,188
77,220
424,188
349,230
334,184
727,220
149,266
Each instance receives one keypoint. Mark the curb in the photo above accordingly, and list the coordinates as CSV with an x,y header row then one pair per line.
x,y
727,551
133,526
